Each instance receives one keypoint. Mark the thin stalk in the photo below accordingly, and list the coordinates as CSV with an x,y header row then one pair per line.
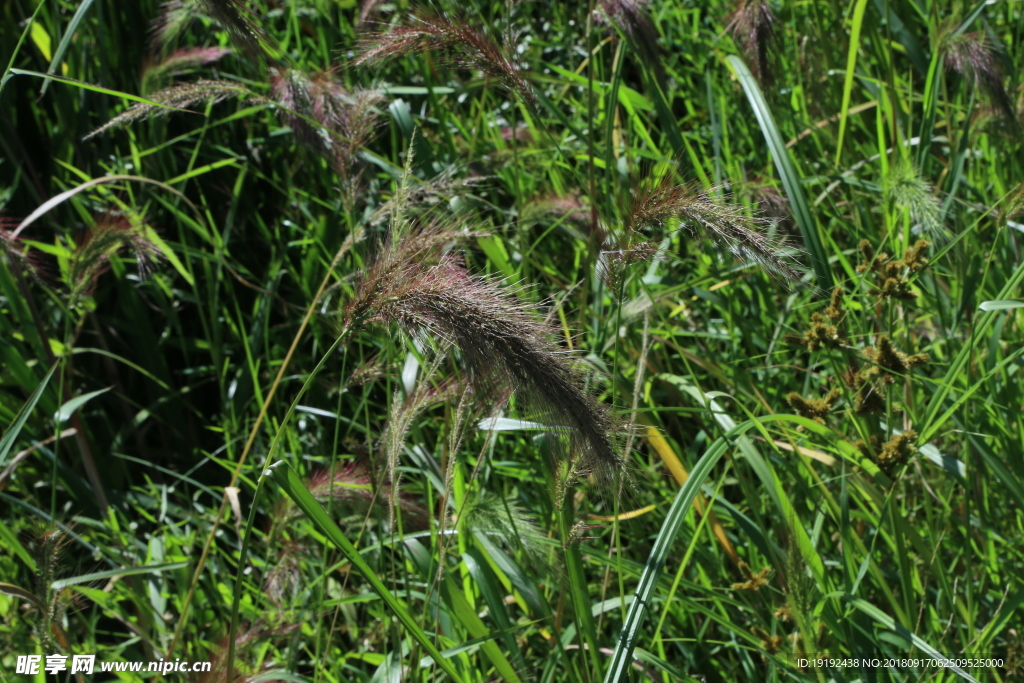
x,y
254,506
248,447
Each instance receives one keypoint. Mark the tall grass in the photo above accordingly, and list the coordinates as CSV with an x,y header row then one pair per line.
x,y
397,341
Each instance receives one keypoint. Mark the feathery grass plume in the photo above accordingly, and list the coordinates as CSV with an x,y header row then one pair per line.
x,y
768,200
503,344
183,61
235,17
429,192
908,189
172,19
468,49
367,8
631,17
508,524
179,96
348,491
973,56
175,16
18,253
400,418
752,25
322,114
569,208
456,433
91,256
612,263
726,225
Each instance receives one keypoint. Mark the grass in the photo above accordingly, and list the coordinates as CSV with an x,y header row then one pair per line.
x,y
506,341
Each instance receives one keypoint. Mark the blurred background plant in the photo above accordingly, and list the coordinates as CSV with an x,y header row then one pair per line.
x,y
501,282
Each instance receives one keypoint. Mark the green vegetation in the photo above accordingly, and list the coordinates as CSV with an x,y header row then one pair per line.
x,y
482,340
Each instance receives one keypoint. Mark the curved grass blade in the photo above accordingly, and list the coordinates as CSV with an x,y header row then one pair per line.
x,y
289,481
17,48
111,573
851,64
12,432
622,658
788,174
888,622
97,88
65,41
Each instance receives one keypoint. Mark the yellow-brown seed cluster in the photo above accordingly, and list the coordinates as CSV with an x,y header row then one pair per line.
x,y
891,281
754,582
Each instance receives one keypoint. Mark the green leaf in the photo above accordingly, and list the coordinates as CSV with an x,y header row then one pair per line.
x,y
65,41
851,64
890,623
111,573
1001,304
291,484
69,408
97,88
12,432
622,658
787,171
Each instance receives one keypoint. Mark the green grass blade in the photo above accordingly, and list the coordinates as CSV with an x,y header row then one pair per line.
x,y
578,585
888,622
98,88
111,573
851,65
7,442
65,41
17,48
787,171
292,485
622,658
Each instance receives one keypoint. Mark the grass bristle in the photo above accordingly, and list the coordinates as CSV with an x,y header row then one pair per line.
x,y
728,226
466,47
752,25
180,96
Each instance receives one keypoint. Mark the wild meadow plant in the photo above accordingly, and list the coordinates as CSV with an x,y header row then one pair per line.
x,y
395,341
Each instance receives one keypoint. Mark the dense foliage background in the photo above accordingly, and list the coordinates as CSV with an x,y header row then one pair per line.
x,y
277,272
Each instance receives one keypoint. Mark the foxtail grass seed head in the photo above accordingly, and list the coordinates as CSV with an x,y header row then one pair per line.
x,y
466,48
180,96
502,343
323,115
974,56
156,73
632,18
17,252
93,250
175,16
905,187
728,226
752,25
